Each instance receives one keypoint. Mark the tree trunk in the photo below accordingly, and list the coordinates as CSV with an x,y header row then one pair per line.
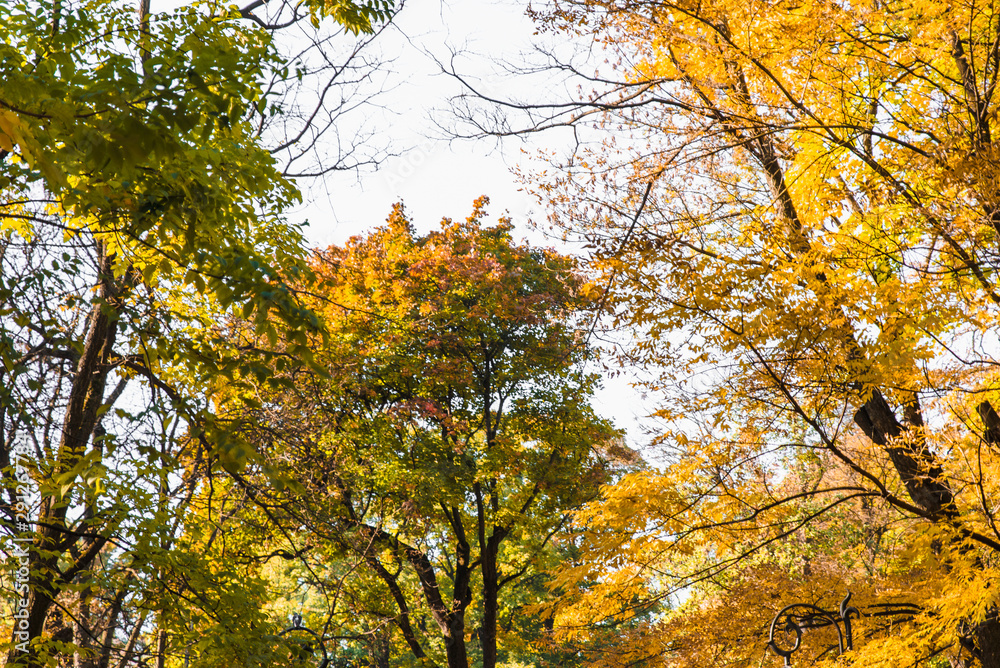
x,y
454,642
85,399
491,596
491,590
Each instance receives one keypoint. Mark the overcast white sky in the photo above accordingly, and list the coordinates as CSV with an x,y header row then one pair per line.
x,y
433,177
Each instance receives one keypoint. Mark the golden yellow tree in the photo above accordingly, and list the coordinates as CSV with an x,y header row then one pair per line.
x,y
814,278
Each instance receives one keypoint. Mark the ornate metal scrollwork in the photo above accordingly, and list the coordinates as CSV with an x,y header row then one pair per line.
x,y
793,619
796,618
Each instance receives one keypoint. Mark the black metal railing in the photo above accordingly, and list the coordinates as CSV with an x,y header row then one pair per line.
x,y
793,620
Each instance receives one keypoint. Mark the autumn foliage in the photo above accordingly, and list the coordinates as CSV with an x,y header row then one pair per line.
x,y
442,441
792,215
812,282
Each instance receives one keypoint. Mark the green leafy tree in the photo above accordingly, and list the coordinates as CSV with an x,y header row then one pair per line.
x,y
442,450
138,207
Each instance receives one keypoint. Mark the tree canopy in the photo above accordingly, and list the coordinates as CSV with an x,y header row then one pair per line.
x,y
438,456
139,207
812,282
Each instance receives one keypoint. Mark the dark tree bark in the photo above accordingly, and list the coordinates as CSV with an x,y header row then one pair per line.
x,y
86,397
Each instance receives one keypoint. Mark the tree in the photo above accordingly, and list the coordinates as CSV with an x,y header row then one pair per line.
x,y
441,451
813,277
138,206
